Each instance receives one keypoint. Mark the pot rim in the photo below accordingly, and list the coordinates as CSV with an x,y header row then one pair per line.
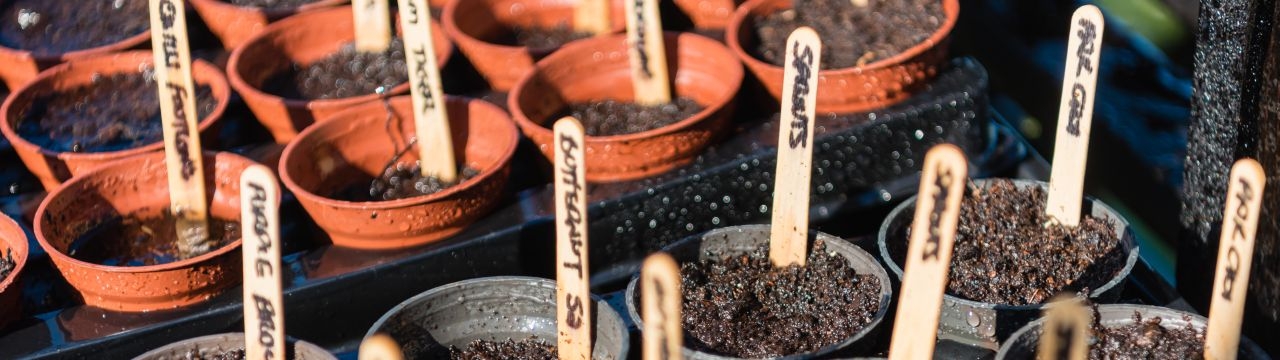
x,y
62,57
950,8
568,51
287,156
213,338
8,224
271,13
907,207
448,18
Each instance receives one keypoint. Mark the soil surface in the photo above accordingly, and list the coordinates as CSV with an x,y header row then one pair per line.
x,y
346,73
745,307
272,4
127,241
115,112
7,264
1146,339
55,27
403,180
195,354
528,349
851,35
539,38
612,117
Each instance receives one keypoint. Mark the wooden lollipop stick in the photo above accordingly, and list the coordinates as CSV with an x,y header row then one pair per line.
x,y
1235,259
178,113
380,347
372,24
660,297
933,231
263,298
573,288
431,121
789,238
592,16
1066,330
648,52
1075,117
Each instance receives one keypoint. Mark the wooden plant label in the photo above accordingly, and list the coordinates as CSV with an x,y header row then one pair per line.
x,y
592,16
431,121
660,296
1235,259
380,347
789,237
573,288
178,113
1075,117
372,24
648,53
933,231
1065,334
263,298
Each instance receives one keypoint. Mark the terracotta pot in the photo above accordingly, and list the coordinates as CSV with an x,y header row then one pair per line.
x,y
21,66
13,244
881,83
209,345
1024,343
708,15
137,187
597,69
325,158
54,167
302,39
473,23
233,24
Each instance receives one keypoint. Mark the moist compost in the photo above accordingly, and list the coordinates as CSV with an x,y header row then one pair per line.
x,y
743,306
196,354
539,37
112,113
129,241
54,27
1146,339
7,264
272,4
851,35
527,349
400,181
612,117
346,73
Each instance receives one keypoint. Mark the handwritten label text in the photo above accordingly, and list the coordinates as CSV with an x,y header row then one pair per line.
x,y
574,223
803,64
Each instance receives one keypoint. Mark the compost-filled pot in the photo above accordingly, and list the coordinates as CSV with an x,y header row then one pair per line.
x,y
321,161
494,309
138,187
211,345
598,69
54,167
233,24
743,240
986,324
20,65
13,246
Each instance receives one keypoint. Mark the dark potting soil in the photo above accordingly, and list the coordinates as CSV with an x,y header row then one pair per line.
x,y
403,180
196,354
54,27
7,264
346,73
115,112
527,349
272,4
128,241
538,37
612,117
851,35
743,306
1147,339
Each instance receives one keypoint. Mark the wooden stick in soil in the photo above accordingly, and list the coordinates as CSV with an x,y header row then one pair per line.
x,y
372,24
933,232
1075,117
178,116
789,237
573,288
263,298
592,16
380,347
648,53
1066,330
1235,259
431,121
660,303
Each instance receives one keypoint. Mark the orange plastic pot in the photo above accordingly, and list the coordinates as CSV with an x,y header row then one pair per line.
x,y
302,39
20,66
138,187
359,143
597,69
233,24
54,167
881,83
473,23
13,244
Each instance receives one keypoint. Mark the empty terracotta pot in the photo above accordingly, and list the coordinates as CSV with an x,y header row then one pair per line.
x,y
302,39
233,24
137,187
881,83
209,346
359,143
22,65
53,167
597,69
474,24
13,246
